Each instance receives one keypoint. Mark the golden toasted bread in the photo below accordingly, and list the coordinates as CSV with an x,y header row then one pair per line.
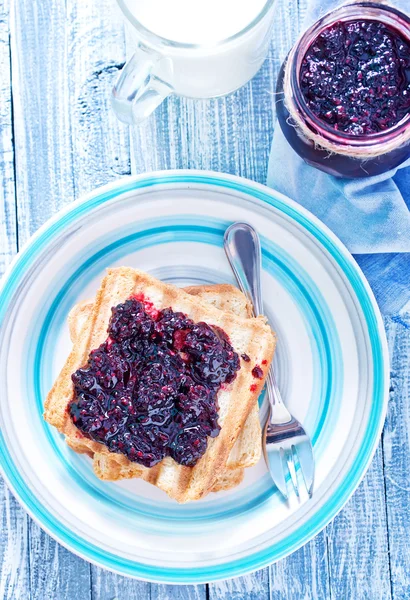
x,y
251,336
247,449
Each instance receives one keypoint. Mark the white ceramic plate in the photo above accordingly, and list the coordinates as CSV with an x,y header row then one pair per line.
x,y
331,364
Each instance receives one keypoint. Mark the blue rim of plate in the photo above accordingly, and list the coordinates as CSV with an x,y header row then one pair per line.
x,y
378,345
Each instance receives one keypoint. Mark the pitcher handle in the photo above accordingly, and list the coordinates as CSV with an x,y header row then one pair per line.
x,y
138,91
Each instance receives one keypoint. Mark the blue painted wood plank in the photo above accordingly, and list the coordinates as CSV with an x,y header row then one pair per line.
x,y
55,573
254,586
109,586
178,592
14,557
96,53
357,542
41,117
8,232
44,183
221,135
303,574
396,453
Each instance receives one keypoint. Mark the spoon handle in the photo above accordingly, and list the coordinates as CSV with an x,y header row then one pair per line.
x,y
243,250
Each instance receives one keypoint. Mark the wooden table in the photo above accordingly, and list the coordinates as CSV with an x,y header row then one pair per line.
x,y
59,139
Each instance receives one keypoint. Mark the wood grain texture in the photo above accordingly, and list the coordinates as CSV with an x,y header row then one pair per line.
x,y
109,586
54,571
8,231
14,556
396,454
357,540
304,574
254,586
96,53
44,183
178,592
44,179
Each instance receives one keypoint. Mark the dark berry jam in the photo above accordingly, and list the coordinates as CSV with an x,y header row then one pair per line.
x,y
355,77
245,357
150,390
257,372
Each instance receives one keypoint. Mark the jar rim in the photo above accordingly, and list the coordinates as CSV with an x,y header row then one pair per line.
x,y
346,12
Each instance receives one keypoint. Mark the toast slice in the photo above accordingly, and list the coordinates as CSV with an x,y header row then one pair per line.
x,y
247,449
247,336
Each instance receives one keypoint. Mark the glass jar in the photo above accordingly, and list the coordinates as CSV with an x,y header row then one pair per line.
x,y
319,144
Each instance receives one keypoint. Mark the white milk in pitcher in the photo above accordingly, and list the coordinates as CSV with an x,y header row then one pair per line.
x,y
211,65
196,21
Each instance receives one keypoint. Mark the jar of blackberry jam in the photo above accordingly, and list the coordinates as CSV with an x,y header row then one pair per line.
x,y
343,95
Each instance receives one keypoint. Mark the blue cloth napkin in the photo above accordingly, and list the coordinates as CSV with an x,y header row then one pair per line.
x,y
370,215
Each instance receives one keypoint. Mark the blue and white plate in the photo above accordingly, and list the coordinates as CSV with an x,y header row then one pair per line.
x,y
331,364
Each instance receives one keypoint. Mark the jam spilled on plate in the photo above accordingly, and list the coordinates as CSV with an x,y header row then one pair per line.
x,y
150,390
355,77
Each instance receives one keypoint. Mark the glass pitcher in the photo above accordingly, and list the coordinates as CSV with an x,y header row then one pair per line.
x,y
160,67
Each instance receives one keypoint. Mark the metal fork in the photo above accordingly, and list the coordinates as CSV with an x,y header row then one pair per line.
x,y
284,440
